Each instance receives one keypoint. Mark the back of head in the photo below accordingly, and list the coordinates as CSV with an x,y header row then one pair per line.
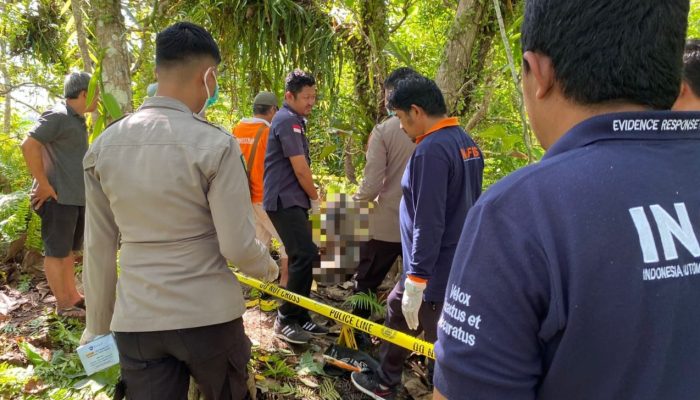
x,y
182,43
610,51
691,65
297,80
264,102
398,74
420,91
74,83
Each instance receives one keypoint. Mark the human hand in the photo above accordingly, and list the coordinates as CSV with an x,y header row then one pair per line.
x,y
316,206
41,193
87,337
273,271
411,301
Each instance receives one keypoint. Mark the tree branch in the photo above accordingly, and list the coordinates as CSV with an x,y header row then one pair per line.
x,y
12,88
406,6
516,81
31,107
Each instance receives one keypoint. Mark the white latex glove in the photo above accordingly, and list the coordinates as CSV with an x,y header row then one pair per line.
x,y
316,206
87,337
411,301
273,271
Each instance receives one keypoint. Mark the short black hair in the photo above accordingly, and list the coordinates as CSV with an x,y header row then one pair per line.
x,y
261,109
610,51
396,75
182,42
296,80
691,65
420,91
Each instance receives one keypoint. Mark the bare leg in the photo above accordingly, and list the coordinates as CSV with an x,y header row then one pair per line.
x,y
61,278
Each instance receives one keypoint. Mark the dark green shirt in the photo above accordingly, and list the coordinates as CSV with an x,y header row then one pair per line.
x,y
63,133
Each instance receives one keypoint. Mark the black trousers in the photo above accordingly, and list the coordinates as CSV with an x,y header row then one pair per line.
x,y
392,357
376,259
158,365
294,228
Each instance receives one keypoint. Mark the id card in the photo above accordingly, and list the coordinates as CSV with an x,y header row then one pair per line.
x,y
99,354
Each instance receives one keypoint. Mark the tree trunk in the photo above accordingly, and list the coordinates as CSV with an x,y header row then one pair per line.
x,y
369,60
6,83
467,46
347,161
111,37
367,45
77,9
7,114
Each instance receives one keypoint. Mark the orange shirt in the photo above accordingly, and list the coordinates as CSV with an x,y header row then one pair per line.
x,y
245,133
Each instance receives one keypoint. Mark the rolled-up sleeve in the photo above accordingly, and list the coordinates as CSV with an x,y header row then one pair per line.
x,y
232,213
100,258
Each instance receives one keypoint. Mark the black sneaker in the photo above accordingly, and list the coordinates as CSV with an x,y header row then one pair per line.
x,y
291,333
363,340
314,329
368,383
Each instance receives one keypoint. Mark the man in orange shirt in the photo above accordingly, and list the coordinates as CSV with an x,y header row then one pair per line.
x,y
252,134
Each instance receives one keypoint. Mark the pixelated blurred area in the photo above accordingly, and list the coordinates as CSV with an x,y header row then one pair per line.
x,y
341,227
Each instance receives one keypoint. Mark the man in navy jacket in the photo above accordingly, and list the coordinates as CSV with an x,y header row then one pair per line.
x,y
441,182
578,278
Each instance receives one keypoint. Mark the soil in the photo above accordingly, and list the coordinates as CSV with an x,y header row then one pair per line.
x,y
27,308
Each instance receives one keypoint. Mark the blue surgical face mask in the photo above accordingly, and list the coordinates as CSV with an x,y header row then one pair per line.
x,y
215,97
211,98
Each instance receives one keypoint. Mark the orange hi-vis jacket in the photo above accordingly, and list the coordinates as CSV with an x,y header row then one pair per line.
x,y
245,133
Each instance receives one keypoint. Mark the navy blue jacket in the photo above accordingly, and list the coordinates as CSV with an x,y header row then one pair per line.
x,y
441,182
287,138
578,278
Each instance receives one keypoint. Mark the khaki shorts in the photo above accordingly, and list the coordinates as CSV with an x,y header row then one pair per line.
x,y
264,230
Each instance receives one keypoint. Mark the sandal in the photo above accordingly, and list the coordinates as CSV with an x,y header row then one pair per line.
x,y
80,303
71,312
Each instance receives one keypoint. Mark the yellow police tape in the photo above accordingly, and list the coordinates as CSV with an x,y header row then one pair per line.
x,y
390,335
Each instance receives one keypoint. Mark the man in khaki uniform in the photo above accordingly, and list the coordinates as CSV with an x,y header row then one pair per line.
x,y
174,188
388,151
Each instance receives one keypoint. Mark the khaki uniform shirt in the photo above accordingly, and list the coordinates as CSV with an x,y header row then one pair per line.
x,y
388,151
172,190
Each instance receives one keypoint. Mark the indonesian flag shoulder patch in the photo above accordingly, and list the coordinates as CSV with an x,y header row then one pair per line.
x,y
296,128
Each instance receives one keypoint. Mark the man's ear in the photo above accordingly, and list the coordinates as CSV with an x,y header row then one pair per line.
x,y
415,111
542,70
289,96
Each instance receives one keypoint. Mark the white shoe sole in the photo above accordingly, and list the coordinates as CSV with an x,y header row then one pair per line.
x,y
288,340
316,334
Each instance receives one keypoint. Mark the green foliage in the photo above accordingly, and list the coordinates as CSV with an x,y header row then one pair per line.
x,y
327,390
25,283
15,213
13,378
62,375
277,367
308,366
694,20
367,301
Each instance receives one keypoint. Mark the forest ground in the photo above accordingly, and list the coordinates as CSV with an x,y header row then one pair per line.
x,y
38,360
